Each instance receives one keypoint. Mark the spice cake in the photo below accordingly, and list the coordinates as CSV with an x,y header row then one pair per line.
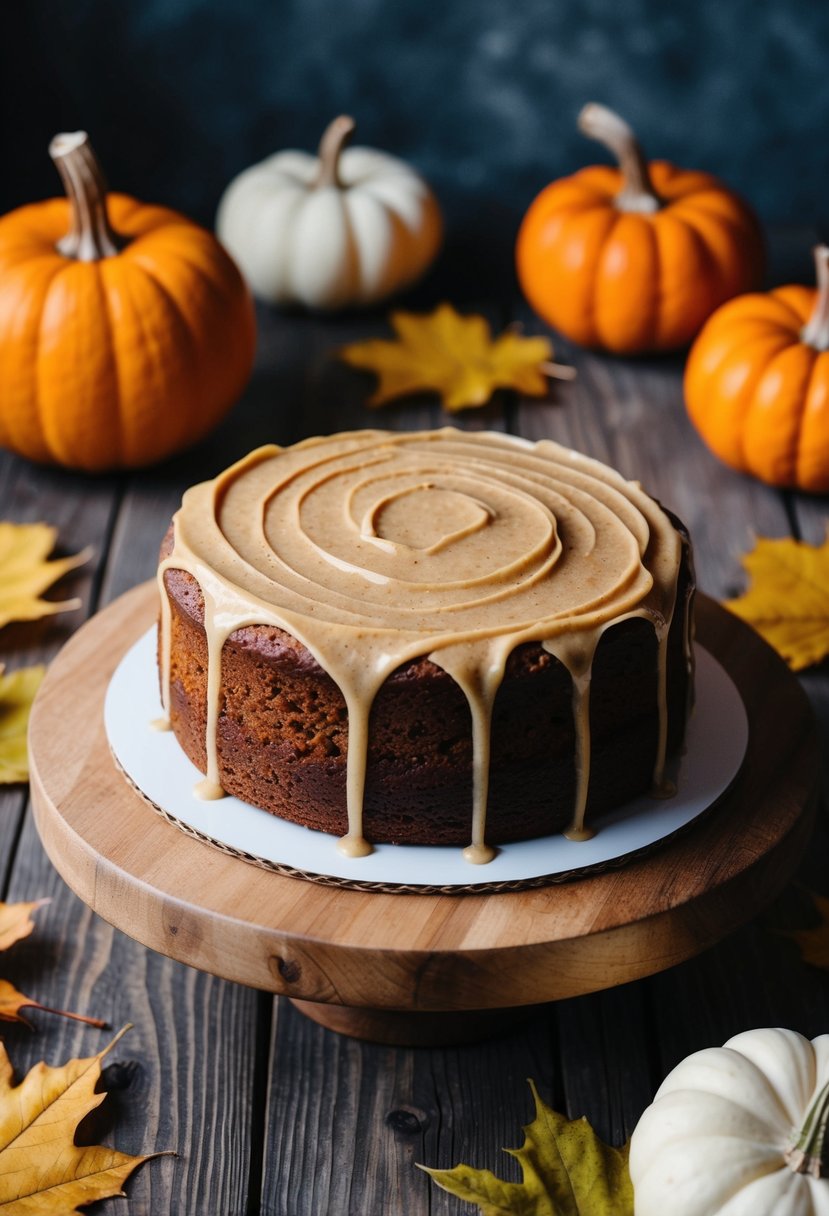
x,y
433,637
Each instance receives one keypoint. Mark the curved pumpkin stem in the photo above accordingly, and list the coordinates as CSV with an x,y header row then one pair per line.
x,y
816,330
91,237
605,125
808,1154
334,138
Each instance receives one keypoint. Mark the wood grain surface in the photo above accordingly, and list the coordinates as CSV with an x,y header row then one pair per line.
x,y
273,1114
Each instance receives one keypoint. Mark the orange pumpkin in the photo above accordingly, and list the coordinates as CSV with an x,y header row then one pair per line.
x,y
126,331
634,258
757,383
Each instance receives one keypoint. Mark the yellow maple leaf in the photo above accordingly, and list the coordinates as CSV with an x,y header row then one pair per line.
x,y
16,921
788,598
26,572
814,943
456,357
12,1001
42,1171
17,691
567,1171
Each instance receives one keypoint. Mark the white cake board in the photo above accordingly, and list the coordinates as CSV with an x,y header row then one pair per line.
x,y
153,761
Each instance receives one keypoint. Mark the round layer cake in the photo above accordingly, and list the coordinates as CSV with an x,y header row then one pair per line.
x,y
426,638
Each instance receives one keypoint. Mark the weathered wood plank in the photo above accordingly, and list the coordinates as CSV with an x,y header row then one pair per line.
x,y
608,1061
368,1113
754,978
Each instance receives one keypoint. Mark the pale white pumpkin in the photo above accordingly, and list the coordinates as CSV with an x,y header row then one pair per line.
x,y
347,227
738,1130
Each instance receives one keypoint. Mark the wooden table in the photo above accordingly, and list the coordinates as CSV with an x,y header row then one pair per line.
x,y
269,1112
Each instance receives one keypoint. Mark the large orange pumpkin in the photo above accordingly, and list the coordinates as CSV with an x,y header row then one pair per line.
x,y
757,383
126,331
634,258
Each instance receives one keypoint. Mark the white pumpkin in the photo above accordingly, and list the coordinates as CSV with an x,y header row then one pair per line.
x,y
738,1130
349,226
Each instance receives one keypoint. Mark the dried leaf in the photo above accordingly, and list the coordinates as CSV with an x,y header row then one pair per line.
x,y
456,357
25,572
567,1171
16,921
17,691
42,1171
12,1001
814,943
788,598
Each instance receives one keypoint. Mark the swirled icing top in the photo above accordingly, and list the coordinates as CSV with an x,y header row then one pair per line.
x,y
373,548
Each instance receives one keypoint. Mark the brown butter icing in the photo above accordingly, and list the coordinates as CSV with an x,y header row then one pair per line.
x,y
373,548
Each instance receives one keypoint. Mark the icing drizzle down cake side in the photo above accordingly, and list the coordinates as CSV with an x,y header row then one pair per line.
x,y
374,550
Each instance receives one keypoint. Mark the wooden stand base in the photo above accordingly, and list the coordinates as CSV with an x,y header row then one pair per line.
x,y
416,969
400,1028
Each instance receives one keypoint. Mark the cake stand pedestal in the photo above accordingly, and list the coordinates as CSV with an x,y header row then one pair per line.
x,y
416,969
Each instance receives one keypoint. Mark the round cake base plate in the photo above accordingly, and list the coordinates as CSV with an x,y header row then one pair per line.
x,y
154,763
411,968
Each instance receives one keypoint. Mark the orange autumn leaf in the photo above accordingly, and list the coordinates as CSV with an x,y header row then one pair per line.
x,y
788,598
12,1001
456,357
42,1171
16,921
26,572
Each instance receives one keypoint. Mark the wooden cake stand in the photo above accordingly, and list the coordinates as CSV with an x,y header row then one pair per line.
x,y
415,969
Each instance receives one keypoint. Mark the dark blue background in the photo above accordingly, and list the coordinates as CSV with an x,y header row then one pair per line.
x,y
481,94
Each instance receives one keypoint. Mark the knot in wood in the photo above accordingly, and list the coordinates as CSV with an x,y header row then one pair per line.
x,y
406,1121
288,969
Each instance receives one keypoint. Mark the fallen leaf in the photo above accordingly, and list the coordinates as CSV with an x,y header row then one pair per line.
x,y
456,357
16,921
814,943
17,691
12,1001
42,1171
25,572
567,1171
788,598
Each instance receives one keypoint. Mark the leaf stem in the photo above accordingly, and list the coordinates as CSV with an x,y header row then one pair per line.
x,y
558,371
64,1013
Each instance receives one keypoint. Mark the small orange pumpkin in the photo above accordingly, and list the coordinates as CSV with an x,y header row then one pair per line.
x,y
126,331
636,258
757,383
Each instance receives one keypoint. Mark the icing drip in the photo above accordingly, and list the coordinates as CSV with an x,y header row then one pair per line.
x,y
577,656
661,787
373,548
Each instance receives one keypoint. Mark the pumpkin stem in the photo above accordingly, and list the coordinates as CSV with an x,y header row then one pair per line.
x,y
809,1154
334,138
637,193
91,237
816,330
